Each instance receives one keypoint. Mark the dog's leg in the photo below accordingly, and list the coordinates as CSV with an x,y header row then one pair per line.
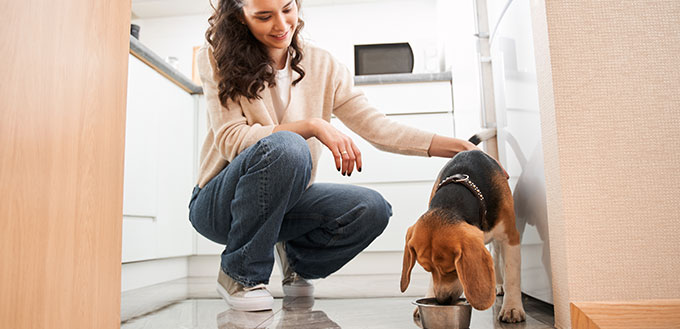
x,y
498,266
512,309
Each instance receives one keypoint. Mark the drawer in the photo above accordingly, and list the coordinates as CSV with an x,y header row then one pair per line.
x,y
379,166
403,98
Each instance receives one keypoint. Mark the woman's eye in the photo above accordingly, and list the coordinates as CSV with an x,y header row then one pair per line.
x,y
286,11
263,18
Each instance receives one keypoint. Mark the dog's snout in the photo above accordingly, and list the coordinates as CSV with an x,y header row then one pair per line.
x,y
444,299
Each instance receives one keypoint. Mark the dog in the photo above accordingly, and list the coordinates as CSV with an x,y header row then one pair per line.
x,y
470,205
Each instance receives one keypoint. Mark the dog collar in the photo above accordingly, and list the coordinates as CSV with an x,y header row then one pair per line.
x,y
465,181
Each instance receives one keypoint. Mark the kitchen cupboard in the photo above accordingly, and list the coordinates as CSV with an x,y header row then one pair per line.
x,y
159,166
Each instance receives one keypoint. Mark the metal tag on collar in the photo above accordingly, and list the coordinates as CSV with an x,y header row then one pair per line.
x,y
457,178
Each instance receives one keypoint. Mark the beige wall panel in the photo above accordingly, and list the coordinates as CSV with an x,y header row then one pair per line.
x,y
62,125
557,229
610,110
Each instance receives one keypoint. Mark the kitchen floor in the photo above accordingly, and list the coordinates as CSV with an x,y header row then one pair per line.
x,y
325,311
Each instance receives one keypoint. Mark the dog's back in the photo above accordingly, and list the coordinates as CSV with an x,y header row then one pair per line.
x,y
459,202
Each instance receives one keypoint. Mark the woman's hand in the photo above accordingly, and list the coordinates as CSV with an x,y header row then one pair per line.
x,y
345,152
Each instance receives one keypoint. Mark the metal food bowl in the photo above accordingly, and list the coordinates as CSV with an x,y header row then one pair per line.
x,y
435,316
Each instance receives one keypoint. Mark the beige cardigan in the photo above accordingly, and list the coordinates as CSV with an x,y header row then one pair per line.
x,y
327,88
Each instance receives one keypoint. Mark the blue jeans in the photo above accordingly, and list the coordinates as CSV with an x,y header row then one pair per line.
x,y
262,198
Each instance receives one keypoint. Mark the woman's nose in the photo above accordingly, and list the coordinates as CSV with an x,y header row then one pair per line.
x,y
280,22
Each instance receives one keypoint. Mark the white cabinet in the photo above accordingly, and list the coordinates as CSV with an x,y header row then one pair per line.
x,y
159,166
404,181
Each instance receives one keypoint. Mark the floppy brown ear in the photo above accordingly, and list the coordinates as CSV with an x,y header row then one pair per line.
x,y
476,273
409,261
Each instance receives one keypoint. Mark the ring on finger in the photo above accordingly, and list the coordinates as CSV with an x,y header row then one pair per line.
x,y
343,152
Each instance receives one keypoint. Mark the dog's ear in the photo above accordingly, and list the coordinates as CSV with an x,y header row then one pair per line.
x,y
475,271
409,260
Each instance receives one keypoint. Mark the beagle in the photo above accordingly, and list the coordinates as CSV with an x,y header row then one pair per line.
x,y
470,206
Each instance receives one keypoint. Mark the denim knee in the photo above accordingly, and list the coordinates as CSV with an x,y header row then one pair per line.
x,y
291,148
380,211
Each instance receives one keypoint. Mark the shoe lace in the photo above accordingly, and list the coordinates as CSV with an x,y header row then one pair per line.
x,y
293,277
259,286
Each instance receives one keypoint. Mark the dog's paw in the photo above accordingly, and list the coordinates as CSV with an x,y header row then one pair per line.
x,y
416,318
512,315
499,290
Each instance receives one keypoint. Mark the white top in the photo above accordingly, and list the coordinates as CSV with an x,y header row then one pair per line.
x,y
281,93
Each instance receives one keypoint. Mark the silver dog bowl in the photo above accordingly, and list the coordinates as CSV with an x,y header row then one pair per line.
x,y
435,316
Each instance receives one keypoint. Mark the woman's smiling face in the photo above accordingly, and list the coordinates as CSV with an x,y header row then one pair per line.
x,y
272,22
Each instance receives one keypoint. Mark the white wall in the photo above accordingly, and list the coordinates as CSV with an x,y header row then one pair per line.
x,y
337,28
443,26
174,36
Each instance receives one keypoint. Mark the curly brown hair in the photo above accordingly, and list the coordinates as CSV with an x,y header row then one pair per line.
x,y
243,63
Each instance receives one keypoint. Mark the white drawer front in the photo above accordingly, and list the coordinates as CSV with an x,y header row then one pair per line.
x,y
401,98
379,166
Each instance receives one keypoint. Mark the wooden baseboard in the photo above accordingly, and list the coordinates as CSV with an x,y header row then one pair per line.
x,y
662,313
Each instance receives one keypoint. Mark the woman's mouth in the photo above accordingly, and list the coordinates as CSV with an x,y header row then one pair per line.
x,y
281,37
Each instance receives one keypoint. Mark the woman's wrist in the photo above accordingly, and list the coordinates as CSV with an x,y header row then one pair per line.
x,y
314,125
306,128
447,147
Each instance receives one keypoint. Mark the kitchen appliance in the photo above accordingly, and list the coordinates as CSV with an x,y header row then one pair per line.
x,y
383,58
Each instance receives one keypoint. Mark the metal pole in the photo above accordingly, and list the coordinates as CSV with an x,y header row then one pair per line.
x,y
485,74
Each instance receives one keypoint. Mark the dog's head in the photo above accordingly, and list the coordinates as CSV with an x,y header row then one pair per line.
x,y
455,256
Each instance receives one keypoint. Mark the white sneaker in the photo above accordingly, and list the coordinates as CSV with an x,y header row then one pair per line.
x,y
296,286
242,298
293,284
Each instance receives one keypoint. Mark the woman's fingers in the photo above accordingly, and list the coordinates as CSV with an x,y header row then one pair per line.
x,y
351,158
337,155
345,153
346,157
357,154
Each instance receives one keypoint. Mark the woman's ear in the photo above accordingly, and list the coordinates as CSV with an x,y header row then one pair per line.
x,y
476,273
409,261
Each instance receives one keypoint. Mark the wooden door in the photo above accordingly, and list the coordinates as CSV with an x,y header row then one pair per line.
x,y
63,66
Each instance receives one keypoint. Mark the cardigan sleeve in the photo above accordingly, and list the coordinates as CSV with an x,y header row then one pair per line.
x,y
352,108
229,126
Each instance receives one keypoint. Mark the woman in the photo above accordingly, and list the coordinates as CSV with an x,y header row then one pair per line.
x,y
270,99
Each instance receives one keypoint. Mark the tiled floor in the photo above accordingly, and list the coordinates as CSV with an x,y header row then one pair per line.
x,y
299,313
341,302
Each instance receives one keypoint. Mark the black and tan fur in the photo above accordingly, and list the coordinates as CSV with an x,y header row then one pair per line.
x,y
449,239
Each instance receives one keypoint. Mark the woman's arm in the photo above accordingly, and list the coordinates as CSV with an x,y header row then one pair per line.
x,y
447,147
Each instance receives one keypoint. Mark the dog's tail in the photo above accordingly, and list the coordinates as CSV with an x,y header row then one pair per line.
x,y
482,136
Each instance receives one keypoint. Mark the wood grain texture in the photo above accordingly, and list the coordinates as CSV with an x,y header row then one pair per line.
x,y
626,314
62,127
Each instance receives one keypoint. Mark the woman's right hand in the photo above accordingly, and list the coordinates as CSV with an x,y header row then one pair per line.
x,y
346,154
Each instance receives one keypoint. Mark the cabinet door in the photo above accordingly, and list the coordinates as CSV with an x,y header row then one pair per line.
x,y
159,167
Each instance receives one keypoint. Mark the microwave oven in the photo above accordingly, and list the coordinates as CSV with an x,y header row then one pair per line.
x,y
383,58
